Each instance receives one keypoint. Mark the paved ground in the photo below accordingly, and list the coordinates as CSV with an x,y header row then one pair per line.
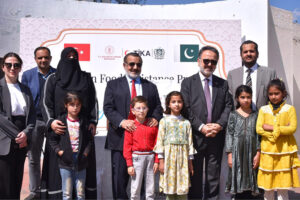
x,y
25,185
294,194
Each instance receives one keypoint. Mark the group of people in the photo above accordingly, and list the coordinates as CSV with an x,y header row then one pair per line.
x,y
247,113
59,104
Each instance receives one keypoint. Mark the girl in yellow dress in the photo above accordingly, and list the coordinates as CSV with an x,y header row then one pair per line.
x,y
175,149
276,123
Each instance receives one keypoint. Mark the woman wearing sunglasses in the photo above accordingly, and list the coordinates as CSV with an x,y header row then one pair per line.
x,y
17,120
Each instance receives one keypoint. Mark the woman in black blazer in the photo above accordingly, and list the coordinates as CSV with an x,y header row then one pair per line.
x,y
17,120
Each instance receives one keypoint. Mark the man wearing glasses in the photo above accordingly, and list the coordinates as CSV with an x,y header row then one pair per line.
x,y
208,103
35,79
251,74
116,106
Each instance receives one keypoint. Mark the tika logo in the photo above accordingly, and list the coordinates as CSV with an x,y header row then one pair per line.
x,y
84,51
189,52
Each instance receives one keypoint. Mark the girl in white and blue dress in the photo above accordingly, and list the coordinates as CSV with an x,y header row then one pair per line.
x,y
175,149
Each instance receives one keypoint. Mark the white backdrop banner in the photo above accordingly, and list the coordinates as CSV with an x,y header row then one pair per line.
x,y
169,48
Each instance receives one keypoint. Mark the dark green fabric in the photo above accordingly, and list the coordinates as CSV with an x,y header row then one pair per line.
x,y
243,142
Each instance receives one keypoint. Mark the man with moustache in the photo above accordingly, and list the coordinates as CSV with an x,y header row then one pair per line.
x,y
116,106
35,79
208,104
251,74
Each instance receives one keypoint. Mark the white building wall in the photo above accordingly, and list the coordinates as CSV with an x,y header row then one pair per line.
x,y
284,53
247,11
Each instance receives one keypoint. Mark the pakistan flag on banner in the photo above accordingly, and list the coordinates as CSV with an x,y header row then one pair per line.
x,y
189,52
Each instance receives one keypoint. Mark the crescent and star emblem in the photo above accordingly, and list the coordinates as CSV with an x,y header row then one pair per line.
x,y
186,54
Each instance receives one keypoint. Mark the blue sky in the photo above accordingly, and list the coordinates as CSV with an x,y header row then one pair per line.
x,y
291,5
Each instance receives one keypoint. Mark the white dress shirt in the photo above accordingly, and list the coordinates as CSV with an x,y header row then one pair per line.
x,y
202,78
18,103
138,85
138,88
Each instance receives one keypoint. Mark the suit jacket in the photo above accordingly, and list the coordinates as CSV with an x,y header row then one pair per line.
x,y
5,112
116,108
30,78
194,98
264,76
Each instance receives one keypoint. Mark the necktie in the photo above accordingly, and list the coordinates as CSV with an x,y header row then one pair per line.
x,y
208,100
248,79
133,90
133,94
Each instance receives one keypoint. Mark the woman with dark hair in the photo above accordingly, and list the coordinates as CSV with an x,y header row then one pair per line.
x,y
17,120
68,77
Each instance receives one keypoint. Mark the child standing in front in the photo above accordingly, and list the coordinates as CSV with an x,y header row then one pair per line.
x,y
141,161
72,147
175,149
277,123
242,147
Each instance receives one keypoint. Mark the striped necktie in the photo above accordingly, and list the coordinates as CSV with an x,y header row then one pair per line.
x,y
248,79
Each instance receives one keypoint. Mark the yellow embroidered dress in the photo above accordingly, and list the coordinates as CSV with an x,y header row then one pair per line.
x,y
175,143
278,161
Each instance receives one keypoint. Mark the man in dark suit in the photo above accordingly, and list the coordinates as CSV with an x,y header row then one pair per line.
x,y
208,103
251,74
116,106
35,79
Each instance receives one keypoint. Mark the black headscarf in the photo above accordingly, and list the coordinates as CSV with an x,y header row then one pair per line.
x,y
69,75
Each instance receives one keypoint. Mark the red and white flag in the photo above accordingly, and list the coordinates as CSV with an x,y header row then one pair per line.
x,y
84,50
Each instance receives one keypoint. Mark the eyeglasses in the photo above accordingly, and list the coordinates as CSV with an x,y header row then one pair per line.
x,y
140,109
132,64
207,61
9,65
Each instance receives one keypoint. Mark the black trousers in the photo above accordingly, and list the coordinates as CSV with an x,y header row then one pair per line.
x,y
91,175
11,172
246,195
212,155
120,175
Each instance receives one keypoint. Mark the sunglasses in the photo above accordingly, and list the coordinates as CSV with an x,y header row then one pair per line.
x,y
9,65
212,62
132,64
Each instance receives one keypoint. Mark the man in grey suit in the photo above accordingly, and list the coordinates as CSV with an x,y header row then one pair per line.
x,y
208,103
251,74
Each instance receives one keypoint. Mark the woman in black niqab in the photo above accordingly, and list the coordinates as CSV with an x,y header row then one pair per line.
x,y
68,77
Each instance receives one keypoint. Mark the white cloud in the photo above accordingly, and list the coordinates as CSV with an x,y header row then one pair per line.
x,y
296,12
296,15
